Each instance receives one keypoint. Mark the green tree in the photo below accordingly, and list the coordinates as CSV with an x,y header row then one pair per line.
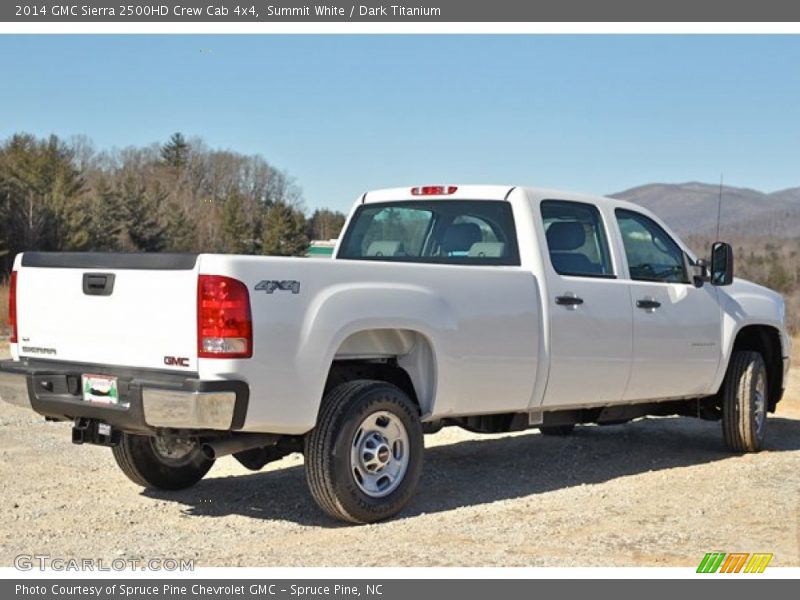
x,y
142,215
171,196
180,230
76,225
105,219
175,153
284,231
41,192
237,229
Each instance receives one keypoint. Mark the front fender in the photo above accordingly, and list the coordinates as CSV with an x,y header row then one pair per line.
x,y
745,304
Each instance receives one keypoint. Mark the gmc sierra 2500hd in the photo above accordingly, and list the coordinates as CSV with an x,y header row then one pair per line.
x,y
491,308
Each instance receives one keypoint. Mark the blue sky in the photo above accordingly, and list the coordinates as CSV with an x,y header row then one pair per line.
x,y
344,114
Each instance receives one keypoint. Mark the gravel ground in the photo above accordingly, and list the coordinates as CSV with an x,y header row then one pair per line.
x,y
656,492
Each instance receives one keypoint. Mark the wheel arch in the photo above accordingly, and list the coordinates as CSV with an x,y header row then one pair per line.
x,y
766,340
402,357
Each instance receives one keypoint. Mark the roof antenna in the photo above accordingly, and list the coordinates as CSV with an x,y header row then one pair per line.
x,y
719,204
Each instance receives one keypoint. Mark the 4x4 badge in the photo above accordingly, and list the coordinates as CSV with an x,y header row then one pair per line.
x,y
285,285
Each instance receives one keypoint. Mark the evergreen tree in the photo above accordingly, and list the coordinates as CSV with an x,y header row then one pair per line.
x,y
106,220
284,231
40,188
76,225
141,210
237,230
180,230
175,153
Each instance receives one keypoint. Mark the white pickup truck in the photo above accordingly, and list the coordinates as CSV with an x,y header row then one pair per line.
x,y
492,308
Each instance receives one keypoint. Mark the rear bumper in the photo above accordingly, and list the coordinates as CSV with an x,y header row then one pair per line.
x,y
14,388
149,400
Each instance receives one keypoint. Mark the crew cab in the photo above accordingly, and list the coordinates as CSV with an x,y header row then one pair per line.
x,y
492,308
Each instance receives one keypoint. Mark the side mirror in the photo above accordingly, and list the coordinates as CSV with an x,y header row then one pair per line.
x,y
721,264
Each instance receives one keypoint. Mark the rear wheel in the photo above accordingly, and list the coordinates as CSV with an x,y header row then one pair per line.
x,y
557,430
160,462
364,458
744,402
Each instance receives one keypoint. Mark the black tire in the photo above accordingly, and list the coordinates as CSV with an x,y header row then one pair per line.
x,y
330,473
744,402
139,459
557,430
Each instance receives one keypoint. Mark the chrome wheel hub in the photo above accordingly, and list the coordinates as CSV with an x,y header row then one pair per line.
x,y
379,454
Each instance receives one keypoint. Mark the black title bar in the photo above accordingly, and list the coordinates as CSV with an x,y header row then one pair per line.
x,y
252,11
384,589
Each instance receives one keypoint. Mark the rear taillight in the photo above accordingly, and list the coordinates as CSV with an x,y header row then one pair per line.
x,y
12,307
224,326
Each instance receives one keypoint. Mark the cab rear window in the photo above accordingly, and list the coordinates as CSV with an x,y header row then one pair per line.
x,y
473,232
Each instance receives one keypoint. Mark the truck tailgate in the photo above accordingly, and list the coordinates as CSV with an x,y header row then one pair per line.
x,y
113,309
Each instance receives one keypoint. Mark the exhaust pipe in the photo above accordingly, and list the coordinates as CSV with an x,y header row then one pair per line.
x,y
238,442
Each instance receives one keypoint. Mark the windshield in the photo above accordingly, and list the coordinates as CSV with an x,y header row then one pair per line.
x,y
472,232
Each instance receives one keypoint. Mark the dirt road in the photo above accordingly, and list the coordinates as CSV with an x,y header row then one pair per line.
x,y
654,492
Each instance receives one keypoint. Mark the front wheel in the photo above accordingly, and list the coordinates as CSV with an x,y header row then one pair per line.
x,y
744,402
160,462
364,457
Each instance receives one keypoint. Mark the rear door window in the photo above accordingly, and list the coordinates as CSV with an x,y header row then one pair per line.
x,y
576,239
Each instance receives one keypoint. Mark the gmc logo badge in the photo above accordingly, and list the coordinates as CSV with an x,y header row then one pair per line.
x,y
176,361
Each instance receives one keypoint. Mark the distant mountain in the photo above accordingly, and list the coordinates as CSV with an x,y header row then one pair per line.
x,y
691,208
